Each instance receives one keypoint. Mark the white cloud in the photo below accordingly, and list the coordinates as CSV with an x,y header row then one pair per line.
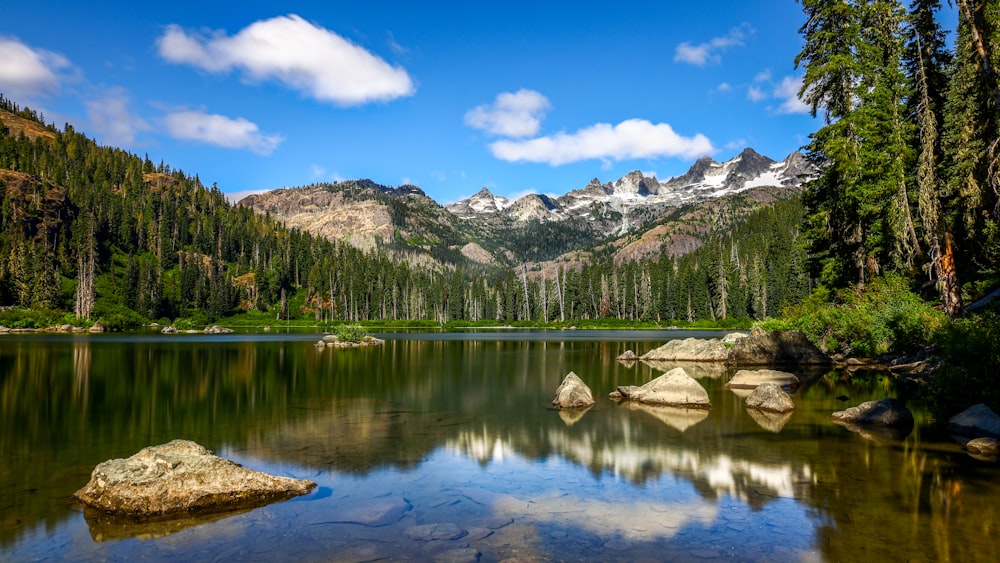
x,y
317,171
710,51
788,92
755,94
633,138
737,144
220,130
512,114
25,71
724,87
303,56
763,76
112,120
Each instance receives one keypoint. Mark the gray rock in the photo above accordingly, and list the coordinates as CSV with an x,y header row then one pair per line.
x,y
776,348
216,329
975,421
690,350
885,413
770,397
573,393
674,388
179,477
628,356
751,379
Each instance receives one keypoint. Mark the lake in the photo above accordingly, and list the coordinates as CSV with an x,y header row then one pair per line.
x,y
443,447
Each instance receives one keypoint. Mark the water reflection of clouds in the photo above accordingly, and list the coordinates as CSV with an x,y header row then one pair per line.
x,y
640,520
746,480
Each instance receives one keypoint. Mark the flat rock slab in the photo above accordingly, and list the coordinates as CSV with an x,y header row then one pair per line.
x,y
690,350
750,379
180,477
375,513
977,420
674,388
435,532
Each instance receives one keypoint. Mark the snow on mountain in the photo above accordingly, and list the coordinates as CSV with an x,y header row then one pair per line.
x,y
616,205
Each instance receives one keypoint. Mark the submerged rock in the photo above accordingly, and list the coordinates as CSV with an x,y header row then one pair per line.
x,y
776,348
770,397
886,418
180,477
674,388
573,393
751,379
975,421
690,350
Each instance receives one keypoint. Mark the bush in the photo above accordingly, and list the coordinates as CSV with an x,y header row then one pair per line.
x,y
970,354
350,333
887,318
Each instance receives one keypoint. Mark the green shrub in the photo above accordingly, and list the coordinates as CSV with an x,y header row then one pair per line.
x,y
886,318
350,333
970,355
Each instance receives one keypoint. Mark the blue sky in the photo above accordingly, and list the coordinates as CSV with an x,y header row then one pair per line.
x,y
513,96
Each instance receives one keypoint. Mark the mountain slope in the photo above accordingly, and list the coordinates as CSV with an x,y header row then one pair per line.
x,y
535,227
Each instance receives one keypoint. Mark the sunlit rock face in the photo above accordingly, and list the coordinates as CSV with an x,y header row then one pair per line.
x,y
573,393
180,477
770,397
674,388
690,350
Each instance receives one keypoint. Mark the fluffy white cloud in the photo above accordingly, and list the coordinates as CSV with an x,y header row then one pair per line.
x,y
512,114
28,72
308,58
709,51
220,130
633,138
788,92
113,121
755,94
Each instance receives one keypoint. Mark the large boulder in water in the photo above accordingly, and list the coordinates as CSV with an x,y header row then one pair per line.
x,y
180,477
770,397
690,350
975,421
882,419
674,388
573,393
781,347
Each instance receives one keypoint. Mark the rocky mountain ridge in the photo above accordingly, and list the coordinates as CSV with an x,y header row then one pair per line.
x,y
631,201
489,229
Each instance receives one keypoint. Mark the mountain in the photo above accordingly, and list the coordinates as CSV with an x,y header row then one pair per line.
x,y
488,229
624,205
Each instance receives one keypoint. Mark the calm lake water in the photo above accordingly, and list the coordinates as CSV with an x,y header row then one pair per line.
x,y
443,447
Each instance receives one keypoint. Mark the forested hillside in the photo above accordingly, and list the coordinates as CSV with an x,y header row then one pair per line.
x,y
101,234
